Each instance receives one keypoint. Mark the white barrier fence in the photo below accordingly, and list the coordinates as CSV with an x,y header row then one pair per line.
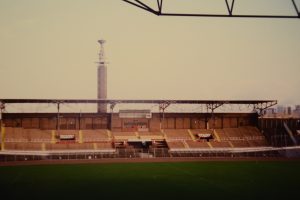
x,y
6,156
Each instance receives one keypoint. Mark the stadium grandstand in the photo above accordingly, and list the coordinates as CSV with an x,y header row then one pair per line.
x,y
143,133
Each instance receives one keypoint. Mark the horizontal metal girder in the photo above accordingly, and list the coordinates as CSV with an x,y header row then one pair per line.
x,y
132,101
229,7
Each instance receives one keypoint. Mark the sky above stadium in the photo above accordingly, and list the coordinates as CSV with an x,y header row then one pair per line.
x,y
48,49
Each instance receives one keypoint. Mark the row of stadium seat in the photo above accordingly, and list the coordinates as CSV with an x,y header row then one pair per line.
x,y
29,146
237,137
189,144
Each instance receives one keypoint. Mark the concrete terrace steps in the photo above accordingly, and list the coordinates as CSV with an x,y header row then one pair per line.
x,y
243,137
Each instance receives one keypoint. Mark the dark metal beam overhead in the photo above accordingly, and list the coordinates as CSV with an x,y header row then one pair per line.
x,y
258,105
229,7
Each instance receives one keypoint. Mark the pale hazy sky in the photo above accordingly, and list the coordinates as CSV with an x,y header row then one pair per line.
x,y
48,49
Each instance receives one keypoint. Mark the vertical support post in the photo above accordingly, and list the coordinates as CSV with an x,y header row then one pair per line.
x,y
212,117
111,118
2,131
57,119
79,121
229,8
296,8
112,106
159,5
222,126
1,123
162,108
212,106
163,120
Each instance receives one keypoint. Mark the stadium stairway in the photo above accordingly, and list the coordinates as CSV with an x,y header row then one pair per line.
x,y
137,134
288,130
80,137
192,135
217,136
185,144
109,134
53,139
230,143
43,147
209,144
164,134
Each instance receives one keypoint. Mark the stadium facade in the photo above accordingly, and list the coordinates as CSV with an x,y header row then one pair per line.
x,y
141,132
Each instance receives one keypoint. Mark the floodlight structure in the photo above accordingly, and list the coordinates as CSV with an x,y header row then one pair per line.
x,y
228,5
102,78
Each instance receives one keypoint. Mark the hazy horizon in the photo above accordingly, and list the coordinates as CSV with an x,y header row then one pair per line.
x,y
49,49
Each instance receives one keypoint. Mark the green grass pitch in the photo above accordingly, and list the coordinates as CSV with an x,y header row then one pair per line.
x,y
185,180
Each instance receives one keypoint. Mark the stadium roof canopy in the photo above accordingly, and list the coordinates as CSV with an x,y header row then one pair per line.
x,y
259,105
128,101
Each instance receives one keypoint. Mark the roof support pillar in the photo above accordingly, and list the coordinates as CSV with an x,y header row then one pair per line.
x,y
162,108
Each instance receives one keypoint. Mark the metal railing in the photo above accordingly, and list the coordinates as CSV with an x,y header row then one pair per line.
x,y
134,153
